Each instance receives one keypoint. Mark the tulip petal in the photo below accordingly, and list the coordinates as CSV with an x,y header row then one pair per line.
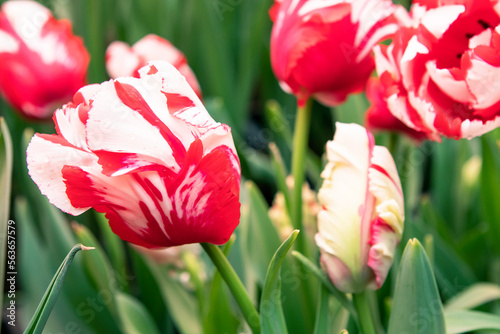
x,y
46,157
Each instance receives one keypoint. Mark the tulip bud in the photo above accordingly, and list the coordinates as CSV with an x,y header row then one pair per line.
x,y
361,220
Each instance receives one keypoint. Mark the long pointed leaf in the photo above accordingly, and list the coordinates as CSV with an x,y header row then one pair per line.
x,y
42,313
475,295
417,305
466,321
271,311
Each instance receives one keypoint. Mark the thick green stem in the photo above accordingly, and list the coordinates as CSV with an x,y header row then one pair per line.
x,y
300,144
364,314
233,282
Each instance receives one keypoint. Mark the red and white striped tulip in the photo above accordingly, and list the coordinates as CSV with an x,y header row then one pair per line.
x,y
322,48
439,76
145,152
123,60
361,220
42,64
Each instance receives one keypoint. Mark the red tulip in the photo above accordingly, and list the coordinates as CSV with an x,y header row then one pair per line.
x,y
123,60
145,152
440,74
42,64
323,48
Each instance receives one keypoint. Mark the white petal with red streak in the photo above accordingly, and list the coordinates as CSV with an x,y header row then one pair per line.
x,y
384,242
482,80
111,124
45,162
455,89
173,81
385,64
470,129
386,188
71,127
438,20
483,38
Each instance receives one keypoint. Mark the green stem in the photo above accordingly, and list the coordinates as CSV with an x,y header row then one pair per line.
x,y
300,141
237,289
299,150
364,314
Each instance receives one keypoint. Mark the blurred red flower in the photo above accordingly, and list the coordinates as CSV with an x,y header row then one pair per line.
x,y
440,74
323,48
123,60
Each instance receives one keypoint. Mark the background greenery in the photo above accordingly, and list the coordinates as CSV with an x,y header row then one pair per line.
x,y
452,190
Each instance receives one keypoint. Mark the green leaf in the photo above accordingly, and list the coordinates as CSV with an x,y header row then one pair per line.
x,y
5,185
33,253
42,313
135,317
112,243
476,295
150,294
97,267
340,296
465,321
259,237
322,324
181,305
271,311
417,305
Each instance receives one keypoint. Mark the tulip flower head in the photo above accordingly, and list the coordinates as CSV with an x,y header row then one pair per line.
x,y
323,48
145,152
123,60
42,64
440,74
361,220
